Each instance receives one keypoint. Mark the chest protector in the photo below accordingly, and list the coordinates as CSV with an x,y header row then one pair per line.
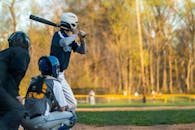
x,y
40,96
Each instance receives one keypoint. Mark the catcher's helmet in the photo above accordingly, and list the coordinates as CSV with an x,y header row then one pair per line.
x,y
49,65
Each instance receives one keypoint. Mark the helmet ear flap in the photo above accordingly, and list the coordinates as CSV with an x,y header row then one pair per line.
x,y
55,66
65,26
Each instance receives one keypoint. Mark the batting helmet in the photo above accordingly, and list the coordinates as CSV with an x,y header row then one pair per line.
x,y
69,21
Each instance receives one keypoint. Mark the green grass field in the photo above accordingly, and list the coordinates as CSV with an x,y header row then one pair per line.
x,y
141,118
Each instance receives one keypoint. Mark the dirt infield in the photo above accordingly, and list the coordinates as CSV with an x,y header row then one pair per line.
x,y
157,127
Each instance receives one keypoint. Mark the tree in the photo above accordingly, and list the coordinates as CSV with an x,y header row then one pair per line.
x,y
143,82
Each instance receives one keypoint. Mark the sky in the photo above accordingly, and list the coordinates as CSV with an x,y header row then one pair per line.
x,y
23,10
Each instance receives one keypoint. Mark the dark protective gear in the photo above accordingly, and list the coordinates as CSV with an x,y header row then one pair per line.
x,y
14,62
49,65
39,94
11,111
19,39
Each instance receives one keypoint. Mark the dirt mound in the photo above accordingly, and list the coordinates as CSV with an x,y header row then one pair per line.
x,y
157,127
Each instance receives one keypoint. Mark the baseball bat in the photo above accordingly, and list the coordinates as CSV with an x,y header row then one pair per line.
x,y
45,21
42,20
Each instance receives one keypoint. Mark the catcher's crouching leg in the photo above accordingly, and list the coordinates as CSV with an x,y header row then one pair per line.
x,y
73,121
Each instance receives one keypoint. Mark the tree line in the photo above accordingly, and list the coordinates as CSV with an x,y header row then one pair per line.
x,y
133,45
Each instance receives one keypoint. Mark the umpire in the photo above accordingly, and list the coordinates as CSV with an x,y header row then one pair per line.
x,y
14,62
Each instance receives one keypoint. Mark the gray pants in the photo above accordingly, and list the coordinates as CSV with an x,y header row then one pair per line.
x,y
51,122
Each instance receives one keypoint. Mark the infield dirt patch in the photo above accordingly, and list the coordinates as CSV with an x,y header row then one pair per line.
x,y
157,127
